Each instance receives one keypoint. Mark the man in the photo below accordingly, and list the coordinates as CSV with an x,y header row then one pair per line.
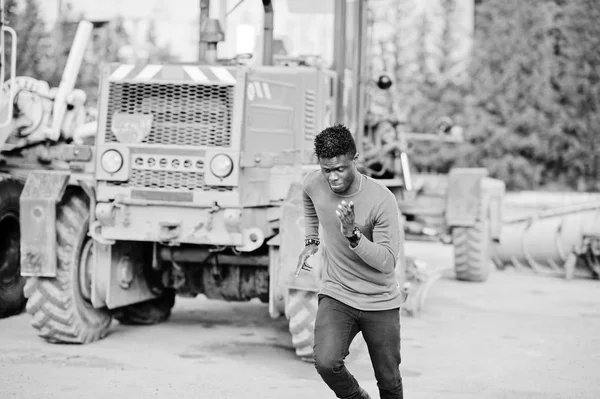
x,y
359,290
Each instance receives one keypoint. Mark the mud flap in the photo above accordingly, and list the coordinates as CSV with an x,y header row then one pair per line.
x,y
276,295
118,278
41,194
292,243
100,274
495,190
464,196
284,250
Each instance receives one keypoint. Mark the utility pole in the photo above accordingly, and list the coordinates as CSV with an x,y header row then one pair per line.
x,y
2,42
204,15
59,23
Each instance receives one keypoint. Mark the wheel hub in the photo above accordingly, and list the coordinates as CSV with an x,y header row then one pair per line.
x,y
9,250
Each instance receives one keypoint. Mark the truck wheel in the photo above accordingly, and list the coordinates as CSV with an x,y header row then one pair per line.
x,y
153,311
60,307
12,300
301,311
472,251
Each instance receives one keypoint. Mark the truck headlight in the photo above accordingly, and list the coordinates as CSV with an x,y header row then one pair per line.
x,y
111,161
221,165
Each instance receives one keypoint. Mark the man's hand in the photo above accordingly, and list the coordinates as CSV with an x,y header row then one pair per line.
x,y
345,213
306,253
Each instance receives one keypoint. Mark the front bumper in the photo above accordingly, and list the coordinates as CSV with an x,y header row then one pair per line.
x,y
175,225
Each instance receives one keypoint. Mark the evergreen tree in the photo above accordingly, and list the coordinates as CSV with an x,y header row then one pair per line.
x,y
510,109
33,40
434,90
575,146
157,53
118,38
531,106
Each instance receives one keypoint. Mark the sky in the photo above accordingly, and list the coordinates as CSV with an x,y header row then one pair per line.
x,y
177,26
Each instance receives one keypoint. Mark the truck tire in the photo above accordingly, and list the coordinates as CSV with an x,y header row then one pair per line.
x,y
301,311
472,251
60,311
149,312
12,299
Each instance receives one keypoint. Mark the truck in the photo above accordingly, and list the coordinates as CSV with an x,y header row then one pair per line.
x,y
39,126
192,186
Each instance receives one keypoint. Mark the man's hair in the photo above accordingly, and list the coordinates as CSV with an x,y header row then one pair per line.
x,y
335,141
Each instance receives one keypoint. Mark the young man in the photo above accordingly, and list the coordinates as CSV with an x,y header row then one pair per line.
x,y
359,290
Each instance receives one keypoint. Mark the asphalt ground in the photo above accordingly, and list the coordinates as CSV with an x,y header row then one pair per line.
x,y
515,336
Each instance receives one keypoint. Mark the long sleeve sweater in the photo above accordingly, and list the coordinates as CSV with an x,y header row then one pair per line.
x,y
364,276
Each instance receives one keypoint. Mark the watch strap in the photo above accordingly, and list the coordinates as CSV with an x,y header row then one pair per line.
x,y
355,237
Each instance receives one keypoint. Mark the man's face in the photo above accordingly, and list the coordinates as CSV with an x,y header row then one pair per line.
x,y
339,172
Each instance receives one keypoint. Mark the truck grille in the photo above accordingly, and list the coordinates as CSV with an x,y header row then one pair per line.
x,y
169,180
183,114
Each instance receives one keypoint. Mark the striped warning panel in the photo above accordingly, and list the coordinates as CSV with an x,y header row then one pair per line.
x,y
153,73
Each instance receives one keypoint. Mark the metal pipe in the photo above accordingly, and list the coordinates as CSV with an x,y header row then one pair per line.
x,y
13,69
239,3
69,77
588,206
204,15
2,42
362,71
201,255
412,136
406,171
268,33
210,56
545,243
339,55
13,74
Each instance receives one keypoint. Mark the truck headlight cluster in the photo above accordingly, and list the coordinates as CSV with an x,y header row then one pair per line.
x,y
111,161
221,165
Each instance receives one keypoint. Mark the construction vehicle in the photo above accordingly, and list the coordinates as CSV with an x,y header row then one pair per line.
x,y
193,187
563,241
12,300
38,129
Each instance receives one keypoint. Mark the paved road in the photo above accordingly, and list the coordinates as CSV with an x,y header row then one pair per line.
x,y
516,336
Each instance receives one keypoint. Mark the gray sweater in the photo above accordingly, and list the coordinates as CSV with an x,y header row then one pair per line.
x,y
362,277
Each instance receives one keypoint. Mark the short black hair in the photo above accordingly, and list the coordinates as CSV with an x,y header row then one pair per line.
x,y
334,141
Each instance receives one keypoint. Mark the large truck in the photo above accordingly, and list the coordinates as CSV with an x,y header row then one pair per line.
x,y
39,128
193,187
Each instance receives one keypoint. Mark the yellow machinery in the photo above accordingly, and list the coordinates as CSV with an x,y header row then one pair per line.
x,y
11,284
562,241
38,128
192,187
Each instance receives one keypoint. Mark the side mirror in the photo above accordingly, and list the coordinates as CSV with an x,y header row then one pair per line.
x,y
384,82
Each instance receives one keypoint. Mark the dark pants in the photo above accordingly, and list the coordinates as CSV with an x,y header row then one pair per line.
x,y
336,326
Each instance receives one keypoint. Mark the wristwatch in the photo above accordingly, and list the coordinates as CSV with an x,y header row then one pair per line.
x,y
355,237
310,241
